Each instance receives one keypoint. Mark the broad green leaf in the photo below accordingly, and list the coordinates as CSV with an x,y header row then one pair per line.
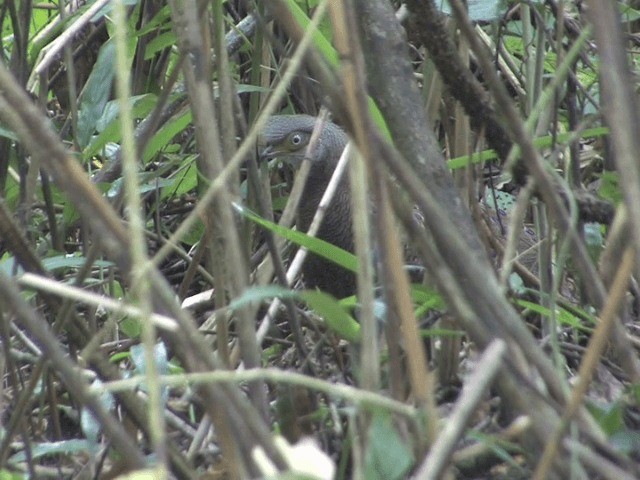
x,y
501,448
183,181
131,327
96,93
108,125
60,262
147,182
257,295
628,13
321,43
161,21
8,475
194,235
609,416
388,457
165,135
335,315
326,50
610,187
319,247
563,316
159,43
426,298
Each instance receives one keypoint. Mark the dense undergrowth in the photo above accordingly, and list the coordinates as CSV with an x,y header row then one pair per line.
x,y
149,327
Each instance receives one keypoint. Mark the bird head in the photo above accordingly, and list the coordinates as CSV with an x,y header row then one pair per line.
x,y
287,137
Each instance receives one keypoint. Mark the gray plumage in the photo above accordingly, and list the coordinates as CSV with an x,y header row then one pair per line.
x,y
287,137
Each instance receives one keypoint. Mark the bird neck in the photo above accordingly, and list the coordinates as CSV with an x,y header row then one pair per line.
x,y
331,143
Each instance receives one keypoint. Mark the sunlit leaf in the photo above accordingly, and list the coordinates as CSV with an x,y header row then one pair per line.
x,y
319,247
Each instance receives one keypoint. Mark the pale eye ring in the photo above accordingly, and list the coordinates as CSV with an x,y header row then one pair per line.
x,y
296,139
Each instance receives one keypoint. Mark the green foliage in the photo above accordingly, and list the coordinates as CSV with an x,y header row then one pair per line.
x,y
387,456
541,142
319,247
610,187
168,179
335,315
61,263
609,416
564,316
322,37
158,44
108,125
325,25
8,475
426,299
322,43
628,13
163,137
183,180
96,93
337,318
131,327
503,449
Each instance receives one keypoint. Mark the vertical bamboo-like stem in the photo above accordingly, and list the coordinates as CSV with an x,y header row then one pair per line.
x,y
396,283
140,287
197,72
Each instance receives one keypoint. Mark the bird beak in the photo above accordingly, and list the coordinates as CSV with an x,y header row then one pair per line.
x,y
267,153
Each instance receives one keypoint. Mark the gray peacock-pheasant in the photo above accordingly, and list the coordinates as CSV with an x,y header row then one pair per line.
x,y
287,137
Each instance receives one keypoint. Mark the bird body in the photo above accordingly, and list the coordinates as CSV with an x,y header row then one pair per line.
x,y
287,137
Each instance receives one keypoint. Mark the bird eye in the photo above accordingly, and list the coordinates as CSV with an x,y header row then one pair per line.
x,y
296,139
